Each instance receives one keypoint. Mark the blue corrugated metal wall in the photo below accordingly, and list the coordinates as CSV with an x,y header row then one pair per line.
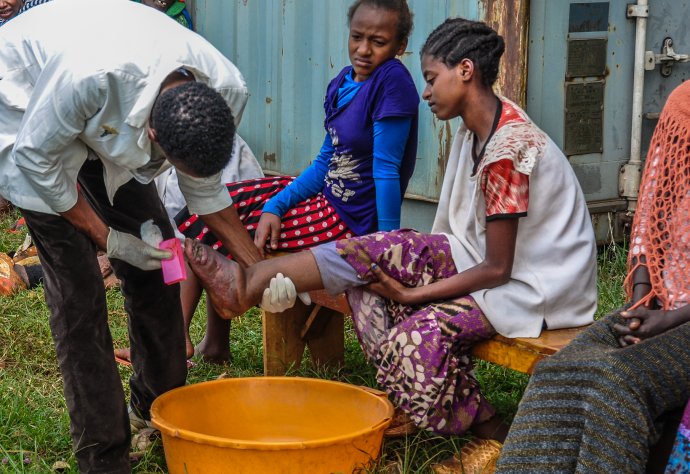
x,y
288,50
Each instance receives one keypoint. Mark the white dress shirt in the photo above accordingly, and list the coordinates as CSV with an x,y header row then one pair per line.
x,y
79,78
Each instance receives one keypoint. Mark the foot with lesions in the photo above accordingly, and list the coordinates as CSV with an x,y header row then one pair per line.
x,y
223,279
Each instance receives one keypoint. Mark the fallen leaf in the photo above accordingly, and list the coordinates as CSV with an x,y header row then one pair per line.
x,y
60,466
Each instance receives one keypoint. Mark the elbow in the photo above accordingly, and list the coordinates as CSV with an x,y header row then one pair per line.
x,y
499,275
502,279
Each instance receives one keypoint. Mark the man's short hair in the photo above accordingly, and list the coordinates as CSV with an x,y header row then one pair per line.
x,y
195,126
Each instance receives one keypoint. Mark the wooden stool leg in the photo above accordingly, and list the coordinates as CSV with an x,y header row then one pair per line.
x,y
283,347
327,346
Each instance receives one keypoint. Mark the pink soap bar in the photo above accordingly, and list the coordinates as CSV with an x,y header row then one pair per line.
x,y
174,269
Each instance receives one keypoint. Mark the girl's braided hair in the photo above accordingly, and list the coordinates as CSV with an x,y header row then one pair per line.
x,y
457,38
405,24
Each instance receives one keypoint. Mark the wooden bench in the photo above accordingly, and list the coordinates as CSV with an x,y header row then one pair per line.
x,y
320,328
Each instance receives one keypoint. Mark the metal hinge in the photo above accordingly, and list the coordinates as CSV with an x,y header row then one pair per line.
x,y
637,11
667,58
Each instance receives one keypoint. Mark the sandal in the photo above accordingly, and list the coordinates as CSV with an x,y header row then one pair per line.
x,y
18,227
479,456
402,425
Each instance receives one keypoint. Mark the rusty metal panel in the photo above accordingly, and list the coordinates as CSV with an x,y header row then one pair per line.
x,y
586,57
511,19
584,111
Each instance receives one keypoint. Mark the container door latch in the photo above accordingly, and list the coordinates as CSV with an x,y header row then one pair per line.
x,y
666,59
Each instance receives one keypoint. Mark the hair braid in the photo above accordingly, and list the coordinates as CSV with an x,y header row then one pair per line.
x,y
457,38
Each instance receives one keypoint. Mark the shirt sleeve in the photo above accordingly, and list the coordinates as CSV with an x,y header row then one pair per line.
x,y
506,191
47,150
396,95
390,138
307,184
203,195
234,90
236,99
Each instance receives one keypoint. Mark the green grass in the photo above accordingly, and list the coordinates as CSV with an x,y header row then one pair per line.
x,y
34,425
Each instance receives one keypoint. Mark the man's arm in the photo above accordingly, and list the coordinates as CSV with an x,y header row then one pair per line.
x,y
84,218
209,199
226,225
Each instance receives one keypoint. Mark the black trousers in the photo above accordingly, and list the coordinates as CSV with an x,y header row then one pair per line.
x,y
75,296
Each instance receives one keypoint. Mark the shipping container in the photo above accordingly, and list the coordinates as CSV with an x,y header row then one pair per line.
x,y
571,64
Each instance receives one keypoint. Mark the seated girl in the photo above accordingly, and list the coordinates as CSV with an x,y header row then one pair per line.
x,y
356,183
596,405
512,250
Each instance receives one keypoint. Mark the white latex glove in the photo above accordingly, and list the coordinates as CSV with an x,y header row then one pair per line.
x,y
134,251
281,295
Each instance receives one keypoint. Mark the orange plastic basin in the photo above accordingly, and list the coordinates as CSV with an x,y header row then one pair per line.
x,y
271,425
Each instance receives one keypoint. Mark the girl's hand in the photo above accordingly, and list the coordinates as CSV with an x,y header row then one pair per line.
x,y
268,227
389,287
643,323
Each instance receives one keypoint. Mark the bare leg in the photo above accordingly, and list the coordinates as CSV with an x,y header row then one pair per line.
x,y
190,294
214,347
233,290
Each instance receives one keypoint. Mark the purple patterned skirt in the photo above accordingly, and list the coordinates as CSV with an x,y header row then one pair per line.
x,y
679,461
421,353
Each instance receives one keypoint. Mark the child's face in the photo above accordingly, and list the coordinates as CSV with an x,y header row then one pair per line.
x,y
445,87
9,8
373,40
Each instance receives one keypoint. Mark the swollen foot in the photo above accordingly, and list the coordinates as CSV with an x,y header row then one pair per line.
x,y
223,279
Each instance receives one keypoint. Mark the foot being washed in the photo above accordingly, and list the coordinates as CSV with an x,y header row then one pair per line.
x,y
223,279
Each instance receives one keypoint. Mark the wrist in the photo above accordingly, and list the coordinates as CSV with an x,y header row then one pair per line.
x,y
412,296
680,315
273,206
640,290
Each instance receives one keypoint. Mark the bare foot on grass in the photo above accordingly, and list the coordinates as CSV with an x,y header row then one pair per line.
x,y
223,279
214,355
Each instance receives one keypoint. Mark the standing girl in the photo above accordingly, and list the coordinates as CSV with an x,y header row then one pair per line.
x,y
512,251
